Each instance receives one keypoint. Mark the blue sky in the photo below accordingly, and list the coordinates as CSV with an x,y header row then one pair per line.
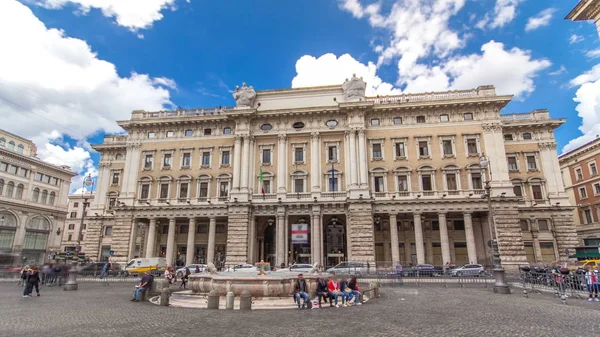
x,y
77,67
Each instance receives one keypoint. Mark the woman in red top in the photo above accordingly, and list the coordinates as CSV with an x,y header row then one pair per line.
x,y
334,290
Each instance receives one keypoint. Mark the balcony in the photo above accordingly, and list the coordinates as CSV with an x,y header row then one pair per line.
x,y
300,195
140,114
482,91
333,195
266,196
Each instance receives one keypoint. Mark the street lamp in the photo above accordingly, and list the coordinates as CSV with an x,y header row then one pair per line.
x,y
500,286
71,283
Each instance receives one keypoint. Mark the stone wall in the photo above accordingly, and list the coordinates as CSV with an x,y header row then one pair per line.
x,y
510,239
237,235
91,244
564,233
121,235
360,233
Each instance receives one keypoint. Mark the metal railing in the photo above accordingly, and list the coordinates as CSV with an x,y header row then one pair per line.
x,y
571,283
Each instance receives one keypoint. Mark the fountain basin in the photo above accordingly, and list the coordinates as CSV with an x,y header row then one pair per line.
x,y
275,284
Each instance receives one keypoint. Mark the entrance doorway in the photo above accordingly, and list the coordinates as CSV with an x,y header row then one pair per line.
x,y
335,242
269,244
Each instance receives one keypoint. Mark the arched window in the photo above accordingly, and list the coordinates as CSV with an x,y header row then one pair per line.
x,y
2,142
20,148
8,228
11,145
119,156
19,194
44,197
51,199
10,187
36,234
36,195
1,186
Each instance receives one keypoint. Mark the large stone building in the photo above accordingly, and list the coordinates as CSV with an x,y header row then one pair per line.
x,y
33,200
582,182
71,228
586,10
376,179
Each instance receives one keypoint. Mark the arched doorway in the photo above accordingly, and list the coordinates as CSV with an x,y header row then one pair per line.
x,y
335,242
8,228
269,241
36,240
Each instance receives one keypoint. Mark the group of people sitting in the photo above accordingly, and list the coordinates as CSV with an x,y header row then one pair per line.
x,y
330,290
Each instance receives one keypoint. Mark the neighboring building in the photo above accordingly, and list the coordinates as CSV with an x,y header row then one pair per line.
x,y
586,10
580,169
345,165
33,200
70,231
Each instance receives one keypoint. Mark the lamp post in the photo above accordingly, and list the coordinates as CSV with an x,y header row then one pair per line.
x,y
500,286
71,283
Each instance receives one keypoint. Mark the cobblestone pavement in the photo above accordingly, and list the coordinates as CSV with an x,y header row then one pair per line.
x,y
97,310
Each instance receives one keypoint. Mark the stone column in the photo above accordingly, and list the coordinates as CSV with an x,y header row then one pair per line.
x,y
286,228
151,238
281,178
470,237
245,166
419,238
444,238
132,239
212,229
191,247
537,249
280,245
394,239
314,162
353,163
428,246
171,242
237,163
251,240
318,242
362,157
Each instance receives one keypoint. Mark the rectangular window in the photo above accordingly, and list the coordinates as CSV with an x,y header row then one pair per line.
x,y
38,176
13,169
397,120
225,158
400,150
379,184
203,189
377,151
451,181
75,204
524,226
420,119
508,136
164,191
579,174
72,226
596,188
205,159
444,118
224,189
54,181
202,228
167,160
70,237
266,156
220,228
165,229
207,132
593,169
333,184
537,192
298,155
186,160
148,161
543,225
583,192
588,216
375,122
189,133
184,229
151,134
170,134
145,193
476,180
459,225
468,116
4,167
267,186
46,179
112,202
423,149
73,215
531,164
332,153
447,146
472,147
108,231
298,185
517,190
426,182
183,190
402,183
115,178
512,164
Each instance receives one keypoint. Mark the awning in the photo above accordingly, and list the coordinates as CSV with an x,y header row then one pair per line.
x,y
585,256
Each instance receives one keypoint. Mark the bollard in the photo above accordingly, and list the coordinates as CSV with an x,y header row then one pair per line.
x,y
375,287
213,300
229,300
165,294
246,300
525,295
563,299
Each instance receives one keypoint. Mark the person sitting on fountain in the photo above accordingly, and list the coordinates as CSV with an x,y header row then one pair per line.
x,y
345,292
353,285
334,291
323,291
144,285
300,291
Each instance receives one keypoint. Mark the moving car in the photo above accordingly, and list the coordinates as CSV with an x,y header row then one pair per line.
x,y
247,268
95,269
422,270
181,271
142,265
350,268
468,270
301,268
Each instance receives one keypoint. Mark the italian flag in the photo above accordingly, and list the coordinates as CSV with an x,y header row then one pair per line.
x,y
260,181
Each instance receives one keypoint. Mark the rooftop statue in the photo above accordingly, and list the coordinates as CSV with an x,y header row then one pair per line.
x,y
354,88
244,96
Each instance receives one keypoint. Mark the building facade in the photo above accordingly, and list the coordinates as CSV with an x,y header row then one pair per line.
x,y
579,169
33,200
75,219
586,10
325,174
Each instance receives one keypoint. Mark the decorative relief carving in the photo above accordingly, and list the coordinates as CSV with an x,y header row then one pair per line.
x,y
244,96
354,88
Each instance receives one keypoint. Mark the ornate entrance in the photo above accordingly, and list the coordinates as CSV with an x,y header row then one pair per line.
x,y
335,242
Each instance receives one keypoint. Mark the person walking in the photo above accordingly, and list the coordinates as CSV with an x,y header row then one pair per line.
x,y
33,280
169,274
591,277
184,278
104,273
24,274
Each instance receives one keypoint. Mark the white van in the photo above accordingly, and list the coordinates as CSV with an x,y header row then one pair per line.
x,y
142,265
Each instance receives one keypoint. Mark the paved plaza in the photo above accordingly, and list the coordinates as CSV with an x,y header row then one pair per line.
x,y
97,310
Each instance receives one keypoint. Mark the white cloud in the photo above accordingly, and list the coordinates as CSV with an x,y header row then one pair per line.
x,y
593,53
504,12
540,20
588,97
575,39
133,14
329,69
58,85
559,71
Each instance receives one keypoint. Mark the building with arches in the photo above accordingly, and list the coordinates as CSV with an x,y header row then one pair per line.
x,y
379,179
33,200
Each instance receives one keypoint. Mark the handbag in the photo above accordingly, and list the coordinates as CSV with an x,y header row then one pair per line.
x,y
348,290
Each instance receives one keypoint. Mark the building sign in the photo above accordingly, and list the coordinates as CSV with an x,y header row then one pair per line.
x,y
300,233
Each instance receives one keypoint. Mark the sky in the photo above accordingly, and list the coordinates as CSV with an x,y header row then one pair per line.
x,y
69,69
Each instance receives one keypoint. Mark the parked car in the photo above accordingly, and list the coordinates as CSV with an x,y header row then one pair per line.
x,y
95,269
181,271
350,268
247,268
301,268
468,270
422,270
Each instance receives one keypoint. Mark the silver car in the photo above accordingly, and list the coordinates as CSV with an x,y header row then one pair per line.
x,y
181,271
301,268
350,268
468,270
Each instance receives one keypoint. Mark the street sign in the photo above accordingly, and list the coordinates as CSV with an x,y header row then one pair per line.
x,y
111,253
300,233
68,253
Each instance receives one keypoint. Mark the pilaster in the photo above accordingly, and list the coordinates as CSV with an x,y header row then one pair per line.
x,y
510,239
237,234
361,243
